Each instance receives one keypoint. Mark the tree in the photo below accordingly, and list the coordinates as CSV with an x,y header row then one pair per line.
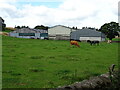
x,y
76,28
83,27
73,27
41,27
110,30
18,27
24,26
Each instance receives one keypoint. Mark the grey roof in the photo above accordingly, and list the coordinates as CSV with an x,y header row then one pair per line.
x,y
40,30
61,26
28,30
86,33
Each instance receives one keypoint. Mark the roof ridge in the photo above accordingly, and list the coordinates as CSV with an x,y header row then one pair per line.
x,y
60,25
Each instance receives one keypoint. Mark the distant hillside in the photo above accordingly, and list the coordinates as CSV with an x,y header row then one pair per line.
x,y
4,33
9,29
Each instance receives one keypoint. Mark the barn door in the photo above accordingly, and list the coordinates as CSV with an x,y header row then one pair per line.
x,y
58,37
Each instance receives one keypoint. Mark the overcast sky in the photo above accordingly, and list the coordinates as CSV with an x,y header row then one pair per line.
x,y
78,13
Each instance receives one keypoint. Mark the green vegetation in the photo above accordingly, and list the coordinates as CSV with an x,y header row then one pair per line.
x,y
9,29
110,29
41,27
30,63
116,39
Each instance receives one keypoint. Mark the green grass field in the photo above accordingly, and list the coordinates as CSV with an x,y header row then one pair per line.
x,y
30,63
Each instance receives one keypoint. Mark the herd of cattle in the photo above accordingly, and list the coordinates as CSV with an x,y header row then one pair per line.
x,y
72,42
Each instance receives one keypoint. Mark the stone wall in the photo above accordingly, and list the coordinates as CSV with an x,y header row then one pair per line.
x,y
108,81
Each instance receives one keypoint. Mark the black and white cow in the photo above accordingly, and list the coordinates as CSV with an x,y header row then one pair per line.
x,y
93,42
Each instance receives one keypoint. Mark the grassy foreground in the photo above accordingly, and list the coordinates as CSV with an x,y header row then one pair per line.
x,y
30,63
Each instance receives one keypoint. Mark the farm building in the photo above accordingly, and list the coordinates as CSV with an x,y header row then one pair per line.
x,y
60,32
87,34
2,24
29,33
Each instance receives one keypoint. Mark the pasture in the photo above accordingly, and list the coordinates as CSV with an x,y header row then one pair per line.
x,y
30,63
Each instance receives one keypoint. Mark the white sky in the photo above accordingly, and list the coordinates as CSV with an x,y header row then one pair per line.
x,y
78,13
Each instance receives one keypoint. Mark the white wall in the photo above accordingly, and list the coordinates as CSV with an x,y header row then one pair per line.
x,y
13,34
37,35
59,30
92,38
52,38
103,39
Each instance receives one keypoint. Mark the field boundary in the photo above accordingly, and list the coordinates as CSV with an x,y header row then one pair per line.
x,y
104,81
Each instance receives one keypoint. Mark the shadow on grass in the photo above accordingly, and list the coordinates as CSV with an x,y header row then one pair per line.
x,y
36,70
37,57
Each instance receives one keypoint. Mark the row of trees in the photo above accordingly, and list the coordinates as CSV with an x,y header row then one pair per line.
x,y
36,27
19,27
41,27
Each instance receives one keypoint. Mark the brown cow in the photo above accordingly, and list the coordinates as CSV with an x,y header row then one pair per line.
x,y
74,43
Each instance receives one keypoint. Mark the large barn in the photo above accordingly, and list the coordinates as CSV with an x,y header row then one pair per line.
x,y
87,34
60,32
29,33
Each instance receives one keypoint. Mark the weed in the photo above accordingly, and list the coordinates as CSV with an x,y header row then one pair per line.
x,y
51,83
36,70
36,57
9,71
16,74
63,72
51,57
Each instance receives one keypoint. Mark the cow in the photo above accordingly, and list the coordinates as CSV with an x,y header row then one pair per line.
x,y
74,43
93,42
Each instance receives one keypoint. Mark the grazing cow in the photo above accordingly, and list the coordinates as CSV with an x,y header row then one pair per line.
x,y
74,43
93,42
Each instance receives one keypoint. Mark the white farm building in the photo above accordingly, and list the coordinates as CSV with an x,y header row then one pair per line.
x,y
87,34
29,33
60,32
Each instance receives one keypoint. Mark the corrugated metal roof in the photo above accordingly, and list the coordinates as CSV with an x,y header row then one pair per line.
x,y
86,33
28,30
41,30
61,26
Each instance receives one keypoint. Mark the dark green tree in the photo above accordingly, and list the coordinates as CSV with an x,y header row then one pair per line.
x,y
24,26
83,27
18,27
73,27
76,28
41,27
110,29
